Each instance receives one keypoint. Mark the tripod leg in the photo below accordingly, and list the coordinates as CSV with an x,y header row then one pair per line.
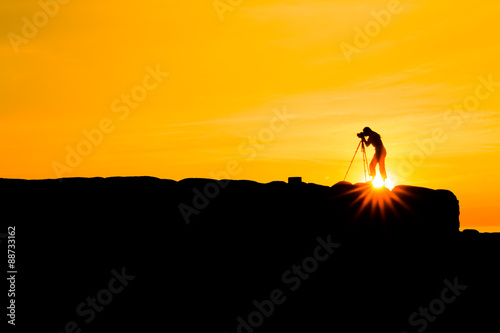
x,y
359,144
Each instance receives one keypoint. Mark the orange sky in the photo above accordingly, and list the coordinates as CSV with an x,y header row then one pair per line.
x,y
259,90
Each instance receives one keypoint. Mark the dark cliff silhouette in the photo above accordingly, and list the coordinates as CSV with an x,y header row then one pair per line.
x,y
241,256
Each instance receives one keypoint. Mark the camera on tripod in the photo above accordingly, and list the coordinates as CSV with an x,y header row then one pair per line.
x,y
361,144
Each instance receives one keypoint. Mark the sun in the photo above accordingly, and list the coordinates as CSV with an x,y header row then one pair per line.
x,y
378,182
389,184
378,202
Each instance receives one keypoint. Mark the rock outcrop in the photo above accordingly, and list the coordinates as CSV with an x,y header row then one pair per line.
x,y
241,256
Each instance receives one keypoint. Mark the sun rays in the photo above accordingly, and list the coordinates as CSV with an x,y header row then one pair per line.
x,y
377,203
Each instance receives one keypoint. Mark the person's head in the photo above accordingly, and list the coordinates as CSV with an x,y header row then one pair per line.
x,y
367,131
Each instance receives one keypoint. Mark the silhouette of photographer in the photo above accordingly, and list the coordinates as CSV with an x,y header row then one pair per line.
x,y
375,140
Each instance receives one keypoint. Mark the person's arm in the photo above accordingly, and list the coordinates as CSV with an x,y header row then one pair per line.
x,y
367,143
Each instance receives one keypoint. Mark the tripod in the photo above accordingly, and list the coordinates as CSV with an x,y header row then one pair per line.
x,y
365,160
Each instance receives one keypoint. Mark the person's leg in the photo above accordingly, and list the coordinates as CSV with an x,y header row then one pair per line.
x,y
373,164
381,165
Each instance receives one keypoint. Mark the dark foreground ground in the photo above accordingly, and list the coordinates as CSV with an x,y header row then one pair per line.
x,y
147,255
